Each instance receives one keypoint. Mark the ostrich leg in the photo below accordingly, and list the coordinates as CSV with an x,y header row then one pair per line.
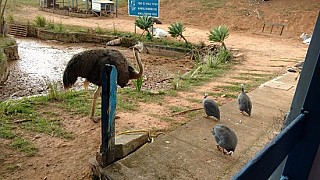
x,y
95,96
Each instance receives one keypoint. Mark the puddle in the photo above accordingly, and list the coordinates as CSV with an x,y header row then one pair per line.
x,y
39,62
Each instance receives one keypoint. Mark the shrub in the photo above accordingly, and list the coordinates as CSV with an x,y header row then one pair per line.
x,y
40,21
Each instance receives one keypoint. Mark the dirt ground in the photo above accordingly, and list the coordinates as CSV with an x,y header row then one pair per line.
x,y
68,159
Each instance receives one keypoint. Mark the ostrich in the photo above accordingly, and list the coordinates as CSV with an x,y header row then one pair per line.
x,y
90,63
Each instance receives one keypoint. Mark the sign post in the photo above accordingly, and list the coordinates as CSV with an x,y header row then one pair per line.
x,y
144,8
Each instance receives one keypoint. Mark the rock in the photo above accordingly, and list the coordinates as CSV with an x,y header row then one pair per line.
x,y
4,71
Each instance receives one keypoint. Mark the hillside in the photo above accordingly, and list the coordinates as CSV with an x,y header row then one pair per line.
x,y
242,15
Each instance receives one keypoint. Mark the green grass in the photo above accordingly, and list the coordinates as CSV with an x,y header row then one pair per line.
x,y
128,99
194,100
209,4
24,146
7,41
38,116
195,114
203,76
257,74
226,94
47,126
76,102
12,167
6,131
176,109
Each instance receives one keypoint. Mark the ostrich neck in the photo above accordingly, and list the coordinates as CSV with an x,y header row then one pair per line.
x,y
137,57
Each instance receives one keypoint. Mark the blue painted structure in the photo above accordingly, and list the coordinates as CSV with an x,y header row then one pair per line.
x,y
297,146
108,107
144,8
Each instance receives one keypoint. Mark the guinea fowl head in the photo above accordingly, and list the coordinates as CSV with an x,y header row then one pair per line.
x,y
205,95
242,87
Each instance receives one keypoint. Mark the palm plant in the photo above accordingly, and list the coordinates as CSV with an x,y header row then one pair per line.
x,y
176,30
219,34
144,23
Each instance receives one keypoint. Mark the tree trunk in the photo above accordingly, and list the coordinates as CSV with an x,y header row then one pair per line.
x,y
1,17
224,45
185,40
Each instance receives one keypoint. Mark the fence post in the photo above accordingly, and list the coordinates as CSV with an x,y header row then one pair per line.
x,y
108,106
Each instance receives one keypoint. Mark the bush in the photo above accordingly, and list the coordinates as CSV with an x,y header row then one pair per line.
x,y
40,21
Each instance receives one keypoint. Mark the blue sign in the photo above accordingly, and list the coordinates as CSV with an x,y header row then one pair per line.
x,y
144,8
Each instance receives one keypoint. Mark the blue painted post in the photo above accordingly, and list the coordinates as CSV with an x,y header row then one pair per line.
x,y
108,106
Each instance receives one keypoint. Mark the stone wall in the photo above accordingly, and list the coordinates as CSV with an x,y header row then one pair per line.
x,y
4,71
76,37
7,53
11,52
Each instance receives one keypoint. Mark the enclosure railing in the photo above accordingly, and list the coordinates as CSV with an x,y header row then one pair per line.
x,y
294,153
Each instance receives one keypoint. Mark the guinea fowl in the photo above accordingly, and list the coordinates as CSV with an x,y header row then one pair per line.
x,y
211,107
244,101
226,139
90,63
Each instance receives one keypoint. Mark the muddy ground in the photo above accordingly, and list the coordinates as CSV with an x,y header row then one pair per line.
x,y
42,62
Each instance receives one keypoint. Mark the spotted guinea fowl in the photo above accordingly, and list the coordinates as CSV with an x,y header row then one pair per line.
x,y
211,107
244,101
226,139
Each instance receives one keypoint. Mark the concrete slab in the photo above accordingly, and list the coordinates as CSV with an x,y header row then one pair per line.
x,y
128,143
189,152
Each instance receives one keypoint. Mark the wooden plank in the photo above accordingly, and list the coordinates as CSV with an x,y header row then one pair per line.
x,y
18,30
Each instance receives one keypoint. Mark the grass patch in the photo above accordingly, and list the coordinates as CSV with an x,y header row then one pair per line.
x,y
12,167
209,4
227,95
40,117
230,88
76,102
23,145
203,76
6,131
194,114
194,100
175,109
47,126
257,74
128,99
7,41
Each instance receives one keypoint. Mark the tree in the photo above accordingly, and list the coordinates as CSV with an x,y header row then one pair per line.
x,y
176,30
219,34
2,22
144,23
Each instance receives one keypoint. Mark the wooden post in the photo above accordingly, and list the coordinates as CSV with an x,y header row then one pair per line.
x,y
108,106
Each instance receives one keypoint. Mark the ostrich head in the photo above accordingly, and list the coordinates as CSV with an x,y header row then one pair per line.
x,y
137,49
